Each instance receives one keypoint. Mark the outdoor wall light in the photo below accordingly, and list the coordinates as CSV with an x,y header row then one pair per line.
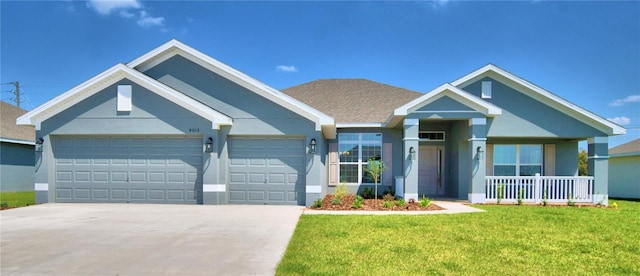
x,y
208,146
412,153
312,146
39,143
479,152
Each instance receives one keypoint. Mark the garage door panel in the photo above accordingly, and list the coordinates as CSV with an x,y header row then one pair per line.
x,y
120,169
260,170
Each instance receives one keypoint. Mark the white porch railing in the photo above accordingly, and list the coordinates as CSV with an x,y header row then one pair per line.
x,y
535,189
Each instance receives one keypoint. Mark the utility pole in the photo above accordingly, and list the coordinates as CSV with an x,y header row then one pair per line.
x,y
17,92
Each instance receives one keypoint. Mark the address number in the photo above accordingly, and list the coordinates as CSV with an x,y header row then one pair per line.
x,y
194,129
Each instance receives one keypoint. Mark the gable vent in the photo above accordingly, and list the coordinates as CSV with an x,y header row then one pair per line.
x,y
486,89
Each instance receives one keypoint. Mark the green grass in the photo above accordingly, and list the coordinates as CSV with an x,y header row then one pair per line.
x,y
18,199
505,240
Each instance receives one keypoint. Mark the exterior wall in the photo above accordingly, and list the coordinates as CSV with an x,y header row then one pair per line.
x,y
624,176
151,115
17,167
392,136
523,116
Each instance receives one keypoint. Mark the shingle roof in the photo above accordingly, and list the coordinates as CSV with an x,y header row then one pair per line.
x,y
630,147
353,100
8,127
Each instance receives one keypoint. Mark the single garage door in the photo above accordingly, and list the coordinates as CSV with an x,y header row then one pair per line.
x,y
266,170
127,169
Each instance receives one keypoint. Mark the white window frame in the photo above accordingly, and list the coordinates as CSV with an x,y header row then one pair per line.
x,y
518,164
360,163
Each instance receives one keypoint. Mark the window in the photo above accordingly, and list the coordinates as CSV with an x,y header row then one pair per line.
x,y
354,150
512,160
431,135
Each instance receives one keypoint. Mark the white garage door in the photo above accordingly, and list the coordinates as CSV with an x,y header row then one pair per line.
x,y
127,169
267,170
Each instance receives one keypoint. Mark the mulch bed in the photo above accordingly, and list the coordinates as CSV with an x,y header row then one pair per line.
x,y
346,204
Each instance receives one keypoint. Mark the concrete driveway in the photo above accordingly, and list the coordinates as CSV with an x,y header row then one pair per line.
x,y
139,239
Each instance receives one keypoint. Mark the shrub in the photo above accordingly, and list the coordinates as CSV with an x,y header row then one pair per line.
x,y
500,192
425,201
367,193
570,200
357,203
520,196
336,201
390,191
387,204
400,202
317,203
341,190
389,197
545,197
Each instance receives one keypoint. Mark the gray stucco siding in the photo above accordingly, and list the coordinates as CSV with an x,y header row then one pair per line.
x,y
17,167
151,114
524,116
445,104
216,91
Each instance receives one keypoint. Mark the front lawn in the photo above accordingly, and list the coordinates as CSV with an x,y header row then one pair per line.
x,y
506,240
17,199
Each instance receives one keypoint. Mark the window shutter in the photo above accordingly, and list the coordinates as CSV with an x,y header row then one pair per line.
x,y
550,159
387,157
489,158
333,164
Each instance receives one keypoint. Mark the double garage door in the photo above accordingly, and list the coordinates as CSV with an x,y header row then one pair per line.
x,y
262,170
127,169
267,170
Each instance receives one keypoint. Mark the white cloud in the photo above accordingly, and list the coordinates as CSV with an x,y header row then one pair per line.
x,y
126,14
628,99
105,7
623,121
147,21
285,68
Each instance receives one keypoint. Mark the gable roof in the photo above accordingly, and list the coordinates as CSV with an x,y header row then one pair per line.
x,y
108,78
175,47
353,102
453,92
9,131
541,95
626,149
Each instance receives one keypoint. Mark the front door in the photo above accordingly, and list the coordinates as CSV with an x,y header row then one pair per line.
x,y
431,171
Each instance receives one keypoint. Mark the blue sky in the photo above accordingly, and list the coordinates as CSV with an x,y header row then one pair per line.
x,y
585,52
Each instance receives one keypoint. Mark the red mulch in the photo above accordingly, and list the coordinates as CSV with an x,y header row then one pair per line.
x,y
346,204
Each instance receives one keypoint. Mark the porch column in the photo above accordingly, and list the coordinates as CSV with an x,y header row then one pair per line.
x,y
598,166
411,129
477,150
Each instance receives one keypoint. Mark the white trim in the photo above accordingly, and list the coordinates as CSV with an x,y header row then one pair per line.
x,y
110,77
214,188
477,198
476,139
411,122
175,47
545,96
453,92
598,157
16,141
478,121
598,140
359,125
443,111
411,139
314,189
41,186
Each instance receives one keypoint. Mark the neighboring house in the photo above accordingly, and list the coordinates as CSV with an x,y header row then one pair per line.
x,y
17,157
624,170
177,126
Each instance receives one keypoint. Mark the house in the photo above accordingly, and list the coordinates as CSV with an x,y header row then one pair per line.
x,y
624,170
177,126
17,158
